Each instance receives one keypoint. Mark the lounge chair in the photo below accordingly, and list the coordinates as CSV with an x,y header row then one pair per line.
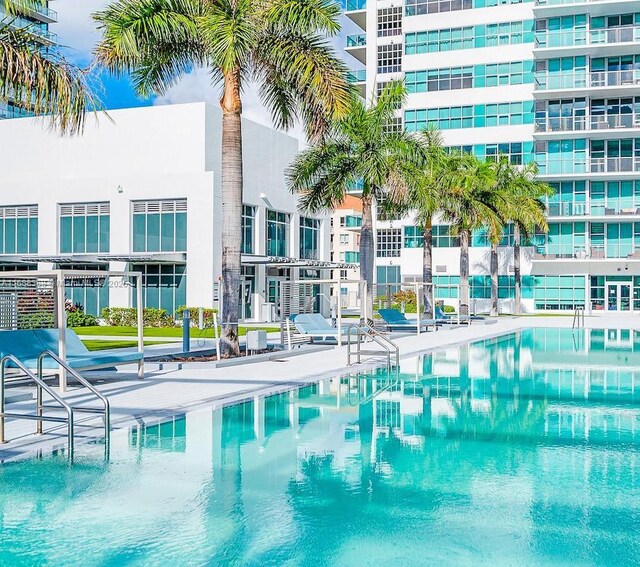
x,y
455,319
396,321
316,326
26,345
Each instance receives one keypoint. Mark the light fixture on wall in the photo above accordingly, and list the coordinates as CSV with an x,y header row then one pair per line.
x,y
120,189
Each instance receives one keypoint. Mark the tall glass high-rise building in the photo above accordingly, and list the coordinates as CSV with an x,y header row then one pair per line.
x,y
555,81
36,23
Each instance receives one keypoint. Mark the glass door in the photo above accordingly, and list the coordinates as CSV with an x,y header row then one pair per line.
x,y
624,295
619,297
612,297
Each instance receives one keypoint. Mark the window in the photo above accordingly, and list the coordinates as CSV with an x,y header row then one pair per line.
x,y
248,219
387,278
389,242
421,7
91,293
19,229
564,72
277,233
483,35
561,156
615,155
516,152
84,228
164,286
569,199
442,237
455,78
309,238
413,237
390,21
160,226
566,239
390,58
472,116
344,239
559,293
352,257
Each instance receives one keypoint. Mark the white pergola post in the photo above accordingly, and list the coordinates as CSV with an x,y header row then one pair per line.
x,y
417,285
61,319
140,312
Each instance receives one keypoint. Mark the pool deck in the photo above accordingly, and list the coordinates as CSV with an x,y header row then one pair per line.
x,y
170,390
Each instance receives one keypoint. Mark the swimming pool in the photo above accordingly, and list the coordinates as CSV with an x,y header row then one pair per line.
x,y
519,450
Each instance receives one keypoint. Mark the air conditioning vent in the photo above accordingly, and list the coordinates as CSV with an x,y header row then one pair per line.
x,y
441,269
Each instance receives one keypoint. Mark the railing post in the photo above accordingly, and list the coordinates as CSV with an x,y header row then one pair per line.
x,y
2,372
62,329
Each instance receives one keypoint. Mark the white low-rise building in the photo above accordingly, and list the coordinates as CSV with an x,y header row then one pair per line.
x,y
141,190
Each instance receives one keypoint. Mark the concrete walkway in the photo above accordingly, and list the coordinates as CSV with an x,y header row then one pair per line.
x,y
167,392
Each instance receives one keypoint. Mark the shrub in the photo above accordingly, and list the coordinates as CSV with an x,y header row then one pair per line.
x,y
448,308
78,318
128,317
36,320
207,314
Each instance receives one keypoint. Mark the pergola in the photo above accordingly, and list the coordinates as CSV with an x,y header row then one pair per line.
x,y
35,299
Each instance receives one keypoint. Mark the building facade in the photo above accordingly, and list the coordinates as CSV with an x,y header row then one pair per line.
x,y
37,23
346,222
142,191
553,81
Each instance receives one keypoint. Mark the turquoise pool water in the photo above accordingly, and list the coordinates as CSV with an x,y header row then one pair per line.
x,y
523,450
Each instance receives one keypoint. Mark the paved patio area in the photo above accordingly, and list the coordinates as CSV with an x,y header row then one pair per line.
x,y
169,391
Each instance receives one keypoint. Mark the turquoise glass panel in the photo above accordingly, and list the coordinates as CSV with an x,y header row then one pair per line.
x,y
78,244
105,223
167,243
10,236
139,233
65,234
92,233
33,236
22,244
153,232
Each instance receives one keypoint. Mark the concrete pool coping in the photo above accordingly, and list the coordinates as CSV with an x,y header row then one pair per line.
x,y
163,394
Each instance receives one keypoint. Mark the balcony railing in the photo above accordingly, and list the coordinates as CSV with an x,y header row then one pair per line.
x,y
359,40
576,38
614,209
359,76
551,81
353,5
580,123
614,164
567,209
561,2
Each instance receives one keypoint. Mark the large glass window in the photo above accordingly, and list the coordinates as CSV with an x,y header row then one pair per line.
x,y
390,21
421,7
248,219
615,155
160,226
19,229
559,293
561,73
277,228
387,279
390,58
561,156
309,238
84,228
567,240
91,293
164,286
413,237
389,242
569,199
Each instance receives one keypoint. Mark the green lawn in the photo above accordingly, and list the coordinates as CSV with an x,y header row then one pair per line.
x,y
157,331
94,344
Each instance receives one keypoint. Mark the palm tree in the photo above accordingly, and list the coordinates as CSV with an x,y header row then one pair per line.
x,y
40,81
470,203
279,44
527,210
362,148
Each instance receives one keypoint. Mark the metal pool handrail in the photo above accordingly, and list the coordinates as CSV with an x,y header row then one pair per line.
x,y
578,318
39,418
106,410
366,331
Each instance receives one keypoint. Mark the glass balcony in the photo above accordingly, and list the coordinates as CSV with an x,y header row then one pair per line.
x,y
352,5
359,40
577,37
581,123
582,79
358,76
614,164
552,252
351,221
567,209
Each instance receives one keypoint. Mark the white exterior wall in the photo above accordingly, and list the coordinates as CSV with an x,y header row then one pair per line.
x,y
160,152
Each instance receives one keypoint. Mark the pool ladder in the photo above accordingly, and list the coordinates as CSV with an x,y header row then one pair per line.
x,y
578,318
61,403
363,333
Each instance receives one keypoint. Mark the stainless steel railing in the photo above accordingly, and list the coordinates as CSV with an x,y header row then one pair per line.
x,y
366,331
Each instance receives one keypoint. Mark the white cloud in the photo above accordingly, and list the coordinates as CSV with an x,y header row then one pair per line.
x,y
78,34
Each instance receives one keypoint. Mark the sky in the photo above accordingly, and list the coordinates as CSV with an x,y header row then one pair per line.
x,y
78,35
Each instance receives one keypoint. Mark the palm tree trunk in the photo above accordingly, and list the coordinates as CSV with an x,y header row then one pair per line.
x,y
494,280
232,179
464,272
367,252
516,270
427,269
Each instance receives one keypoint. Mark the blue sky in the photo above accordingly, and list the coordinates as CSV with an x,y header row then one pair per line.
x,y
78,35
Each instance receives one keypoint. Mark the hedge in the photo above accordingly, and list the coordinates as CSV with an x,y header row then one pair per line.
x,y
207,315
128,317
